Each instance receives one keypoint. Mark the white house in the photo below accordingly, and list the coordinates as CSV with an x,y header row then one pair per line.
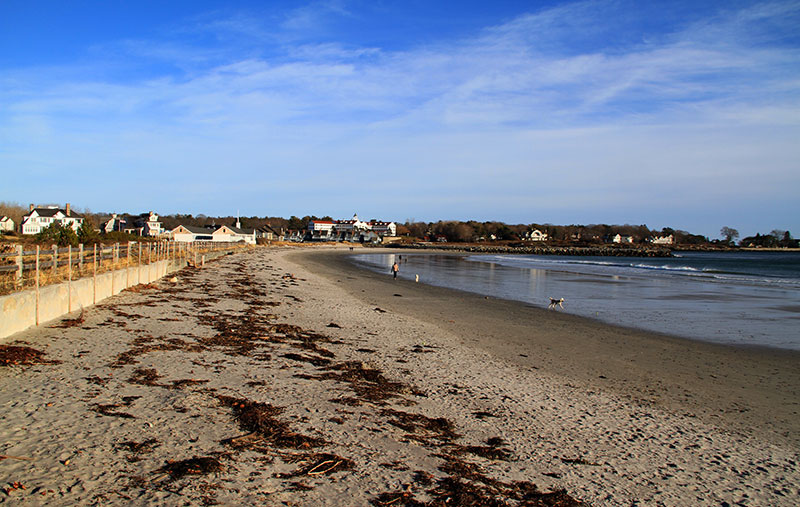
x,y
149,225
6,224
622,239
535,235
190,233
234,235
114,224
38,219
350,230
663,240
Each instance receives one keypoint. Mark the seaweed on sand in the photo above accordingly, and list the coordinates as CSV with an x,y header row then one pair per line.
x,y
201,465
20,355
260,420
368,383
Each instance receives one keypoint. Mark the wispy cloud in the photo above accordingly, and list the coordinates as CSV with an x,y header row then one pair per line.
x,y
639,119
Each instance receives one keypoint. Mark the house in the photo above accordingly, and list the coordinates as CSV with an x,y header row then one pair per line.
x,y
148,224
535,235
350,230
622,239
6,224
662,240
191,233
38,219
114,224
234,235
267,232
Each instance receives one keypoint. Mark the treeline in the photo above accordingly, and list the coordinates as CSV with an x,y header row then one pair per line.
x,y
473,231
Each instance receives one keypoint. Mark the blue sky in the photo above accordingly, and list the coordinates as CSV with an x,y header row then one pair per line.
x,y
680,114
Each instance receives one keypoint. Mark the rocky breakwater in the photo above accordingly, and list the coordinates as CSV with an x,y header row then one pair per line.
x,y
599,250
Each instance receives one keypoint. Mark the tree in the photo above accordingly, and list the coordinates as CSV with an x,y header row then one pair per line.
x,y
729,234
86,233
58,234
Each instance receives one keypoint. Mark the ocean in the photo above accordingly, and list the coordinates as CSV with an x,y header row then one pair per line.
x,y
737,298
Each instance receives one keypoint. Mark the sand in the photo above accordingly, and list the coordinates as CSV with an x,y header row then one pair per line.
x,y
286,377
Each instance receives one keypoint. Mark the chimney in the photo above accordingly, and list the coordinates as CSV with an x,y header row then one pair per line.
x,y
67,209
31,207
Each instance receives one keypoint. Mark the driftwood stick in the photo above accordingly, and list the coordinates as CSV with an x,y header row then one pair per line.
x,y
21,458
314,472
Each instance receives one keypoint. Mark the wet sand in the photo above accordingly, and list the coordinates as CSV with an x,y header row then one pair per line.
x,y
285,377
753,390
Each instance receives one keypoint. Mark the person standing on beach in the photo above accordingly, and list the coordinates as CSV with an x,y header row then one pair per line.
x,y
395,269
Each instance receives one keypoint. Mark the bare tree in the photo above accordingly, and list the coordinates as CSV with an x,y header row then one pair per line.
x,y
729,234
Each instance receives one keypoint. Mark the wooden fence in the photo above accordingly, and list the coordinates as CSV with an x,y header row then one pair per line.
x,y
21,269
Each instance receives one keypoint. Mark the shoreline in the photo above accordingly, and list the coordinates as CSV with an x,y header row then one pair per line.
x,y
752,389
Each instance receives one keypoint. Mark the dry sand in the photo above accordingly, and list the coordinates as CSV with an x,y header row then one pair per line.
x,y
284,379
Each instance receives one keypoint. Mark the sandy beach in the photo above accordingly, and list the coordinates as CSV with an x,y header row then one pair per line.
x,y
286,376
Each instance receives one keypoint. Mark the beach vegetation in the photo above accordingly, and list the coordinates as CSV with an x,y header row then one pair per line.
x,y
57,234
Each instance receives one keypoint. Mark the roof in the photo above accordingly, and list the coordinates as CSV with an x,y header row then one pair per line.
x,y
51,212
195,229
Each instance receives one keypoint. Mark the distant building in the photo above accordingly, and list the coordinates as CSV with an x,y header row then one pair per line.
x,y
148,224
663,240
535,235
223,233
619,238
6,224
38,219
350,230
114,224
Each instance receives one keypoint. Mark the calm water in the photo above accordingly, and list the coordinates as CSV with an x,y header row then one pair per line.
x,y
746,298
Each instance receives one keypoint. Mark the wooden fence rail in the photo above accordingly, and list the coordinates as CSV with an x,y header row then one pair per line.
x,y
24,269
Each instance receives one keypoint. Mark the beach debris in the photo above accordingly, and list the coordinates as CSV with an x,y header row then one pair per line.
x,y
368,383
20,458
260,419
317,464
579,461
174,279
13,355
380,310
197,465
334,325
65,323
13,486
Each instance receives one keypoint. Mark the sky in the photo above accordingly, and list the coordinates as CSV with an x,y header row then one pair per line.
x,y
679,114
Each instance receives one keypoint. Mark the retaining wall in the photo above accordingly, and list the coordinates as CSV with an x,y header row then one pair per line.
x,y
22,310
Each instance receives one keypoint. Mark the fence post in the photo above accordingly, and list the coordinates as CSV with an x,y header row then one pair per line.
x,y
94,274
55,260
128,267
37,285
139,269
80,259
69,279
19,266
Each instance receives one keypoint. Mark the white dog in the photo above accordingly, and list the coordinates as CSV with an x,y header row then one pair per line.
x,y
555,302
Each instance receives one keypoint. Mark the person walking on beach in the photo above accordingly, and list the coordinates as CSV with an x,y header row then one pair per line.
x,y
395,269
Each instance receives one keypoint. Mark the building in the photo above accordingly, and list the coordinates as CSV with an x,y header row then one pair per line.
x,y
148,224
6,224
222,234
234,235
619,238
663,240
354,229
191,233
38,219
535,235
114,224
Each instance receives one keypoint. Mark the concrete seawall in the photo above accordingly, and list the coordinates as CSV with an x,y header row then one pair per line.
x,y
22,310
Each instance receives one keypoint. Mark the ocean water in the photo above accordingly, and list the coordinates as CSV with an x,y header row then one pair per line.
x,y
741,298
